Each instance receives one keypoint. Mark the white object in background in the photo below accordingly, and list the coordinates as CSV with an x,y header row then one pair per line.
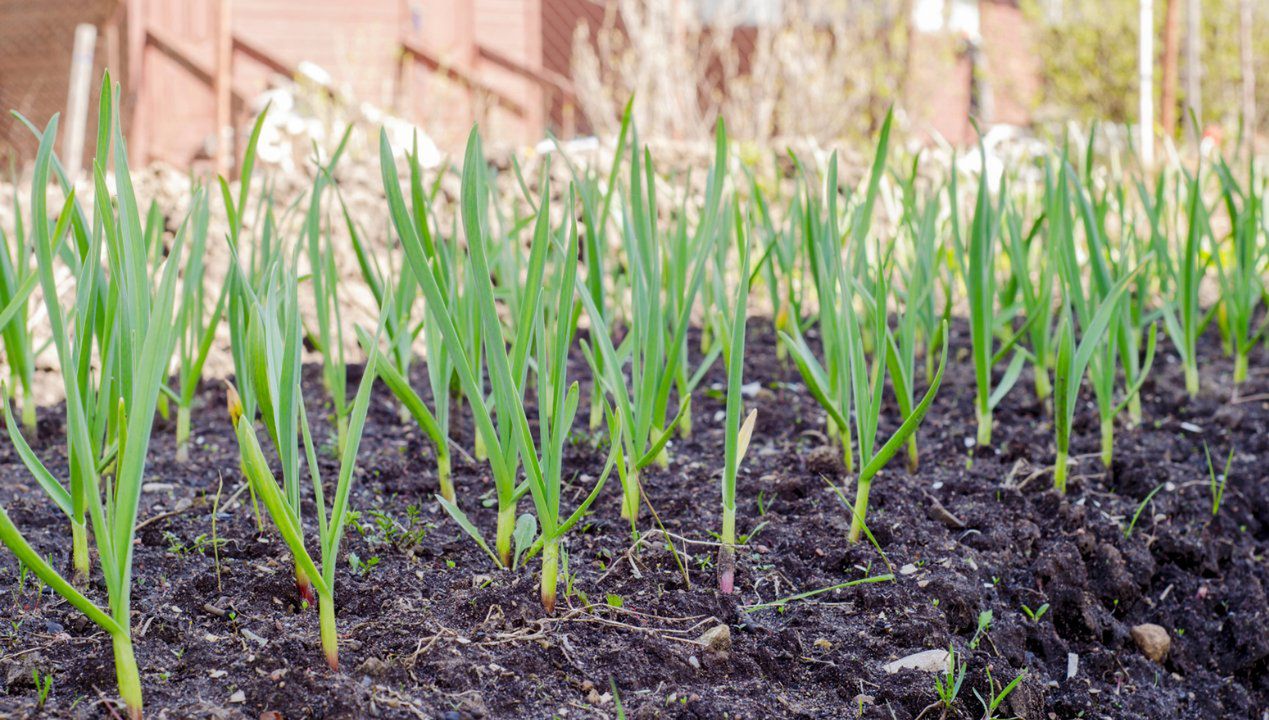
x,y
952,16
314,73
589,143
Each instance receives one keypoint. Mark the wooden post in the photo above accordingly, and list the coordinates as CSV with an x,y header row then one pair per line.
x,y
465,57
223,86
1249,75
1194,64
536,96
77,98
409,31
1171,62
114,56
1145,99
135,53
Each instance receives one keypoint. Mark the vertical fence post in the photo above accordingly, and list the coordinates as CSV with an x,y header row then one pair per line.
x,y
225,150
77,98
1245,20
1194,64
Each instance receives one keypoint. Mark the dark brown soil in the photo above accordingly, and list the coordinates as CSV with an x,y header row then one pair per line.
x,y
432,630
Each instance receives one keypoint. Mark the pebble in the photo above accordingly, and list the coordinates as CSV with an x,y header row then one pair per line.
x,y
1153,640
238,697
717,638
54,628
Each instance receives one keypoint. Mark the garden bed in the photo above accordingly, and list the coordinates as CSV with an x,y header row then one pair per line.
x,y
430,629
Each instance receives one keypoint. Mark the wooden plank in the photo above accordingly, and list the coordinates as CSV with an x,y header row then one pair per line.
x,y
462,77
255,52
223,87
171,48
136,48
546,78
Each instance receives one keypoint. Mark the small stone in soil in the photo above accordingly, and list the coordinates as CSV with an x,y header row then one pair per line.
x,y
717,638
372,666
1153,640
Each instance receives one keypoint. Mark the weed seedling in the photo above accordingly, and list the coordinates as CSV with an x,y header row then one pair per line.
x,y
1035,615
996,695
1216,484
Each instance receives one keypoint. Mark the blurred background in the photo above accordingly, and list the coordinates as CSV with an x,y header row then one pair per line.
x,y
195,73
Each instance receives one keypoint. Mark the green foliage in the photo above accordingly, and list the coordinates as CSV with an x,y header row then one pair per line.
x,y
110,410
1088,55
